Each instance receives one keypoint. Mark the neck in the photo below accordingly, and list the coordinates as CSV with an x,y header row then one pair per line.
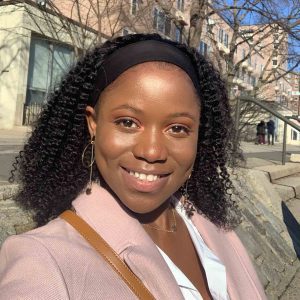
x,y
161,218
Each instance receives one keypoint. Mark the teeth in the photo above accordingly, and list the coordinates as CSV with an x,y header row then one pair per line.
x,y
150,177
144,177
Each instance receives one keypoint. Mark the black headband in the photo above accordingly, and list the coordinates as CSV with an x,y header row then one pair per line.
x,y
136,53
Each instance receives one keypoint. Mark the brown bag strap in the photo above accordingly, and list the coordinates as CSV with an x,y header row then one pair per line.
x,y
101,246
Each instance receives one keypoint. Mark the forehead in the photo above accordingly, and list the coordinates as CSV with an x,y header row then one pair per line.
x,y
157,80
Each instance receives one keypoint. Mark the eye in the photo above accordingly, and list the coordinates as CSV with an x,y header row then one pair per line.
x,y
126,122
179,130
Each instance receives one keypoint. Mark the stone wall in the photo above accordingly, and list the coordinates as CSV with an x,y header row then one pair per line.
x,y
262,232
265,236
13,220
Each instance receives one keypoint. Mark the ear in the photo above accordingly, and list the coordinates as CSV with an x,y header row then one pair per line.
x,y
91,120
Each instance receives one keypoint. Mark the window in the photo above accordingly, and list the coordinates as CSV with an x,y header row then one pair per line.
x,y
249,60
243,53
178,34
203,48
221,32
125,31
274,62
167,26
161,22
134,7
48,62
249,79
41,2
180,5
226,40
243,74
294,135
253,81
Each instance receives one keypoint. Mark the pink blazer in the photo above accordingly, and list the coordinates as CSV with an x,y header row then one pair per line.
x,y
55,262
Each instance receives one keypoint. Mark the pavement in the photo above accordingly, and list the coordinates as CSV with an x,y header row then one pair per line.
x,y
13,137
11,142
268,152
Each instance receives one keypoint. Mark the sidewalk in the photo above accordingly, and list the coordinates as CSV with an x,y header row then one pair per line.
x,y
261,154
248,147
14,136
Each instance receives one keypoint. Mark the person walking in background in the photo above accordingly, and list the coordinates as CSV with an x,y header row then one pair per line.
x,y
261,131
271,129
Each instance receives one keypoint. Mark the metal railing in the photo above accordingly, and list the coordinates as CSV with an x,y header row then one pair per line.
x,y
275,113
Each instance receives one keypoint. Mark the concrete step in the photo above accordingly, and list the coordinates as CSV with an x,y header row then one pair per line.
x,y
285,192
279,171
292,181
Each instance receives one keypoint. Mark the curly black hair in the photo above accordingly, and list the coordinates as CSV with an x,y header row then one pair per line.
x,y
50,170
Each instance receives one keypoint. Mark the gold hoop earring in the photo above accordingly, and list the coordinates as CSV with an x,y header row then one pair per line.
x,y
90,164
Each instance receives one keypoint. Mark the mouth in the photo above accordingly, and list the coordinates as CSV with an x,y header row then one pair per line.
x,y
144,182
145,177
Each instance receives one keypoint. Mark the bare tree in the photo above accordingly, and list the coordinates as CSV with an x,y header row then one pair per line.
x,y
268,30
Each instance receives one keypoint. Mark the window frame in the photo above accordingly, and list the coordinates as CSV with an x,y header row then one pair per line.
x,y
161,22
180,5
134,4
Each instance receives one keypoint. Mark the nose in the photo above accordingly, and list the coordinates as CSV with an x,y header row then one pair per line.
x,y
151,146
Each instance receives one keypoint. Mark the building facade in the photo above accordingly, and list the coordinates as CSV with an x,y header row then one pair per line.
x,y
42,39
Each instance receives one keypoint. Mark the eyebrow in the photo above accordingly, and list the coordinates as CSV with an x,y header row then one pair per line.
x,y
182,114
129,107
137,110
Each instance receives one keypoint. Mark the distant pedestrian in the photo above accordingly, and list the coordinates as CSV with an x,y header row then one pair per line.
x,y
261,131
271,130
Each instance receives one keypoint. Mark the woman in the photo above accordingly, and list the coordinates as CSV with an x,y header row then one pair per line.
x,y
150,120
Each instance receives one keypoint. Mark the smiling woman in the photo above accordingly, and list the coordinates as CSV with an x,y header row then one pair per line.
x,y
136,141
144,130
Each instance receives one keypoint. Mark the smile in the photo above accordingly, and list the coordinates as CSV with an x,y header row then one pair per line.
x,y
144,182
144,177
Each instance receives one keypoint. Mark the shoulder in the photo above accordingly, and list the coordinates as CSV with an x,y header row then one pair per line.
x,y
47,240
28,267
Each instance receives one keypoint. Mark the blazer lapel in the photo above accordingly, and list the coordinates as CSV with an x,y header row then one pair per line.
x,y
242,280
128,238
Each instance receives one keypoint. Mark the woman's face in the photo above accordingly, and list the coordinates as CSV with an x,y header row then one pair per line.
x,y
146,131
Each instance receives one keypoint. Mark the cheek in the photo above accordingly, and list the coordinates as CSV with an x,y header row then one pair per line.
x,y
185,153
110,144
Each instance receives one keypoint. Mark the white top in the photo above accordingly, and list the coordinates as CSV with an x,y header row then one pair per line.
x,y
214,269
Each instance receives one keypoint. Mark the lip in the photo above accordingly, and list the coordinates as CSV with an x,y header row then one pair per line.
x,y
144,186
